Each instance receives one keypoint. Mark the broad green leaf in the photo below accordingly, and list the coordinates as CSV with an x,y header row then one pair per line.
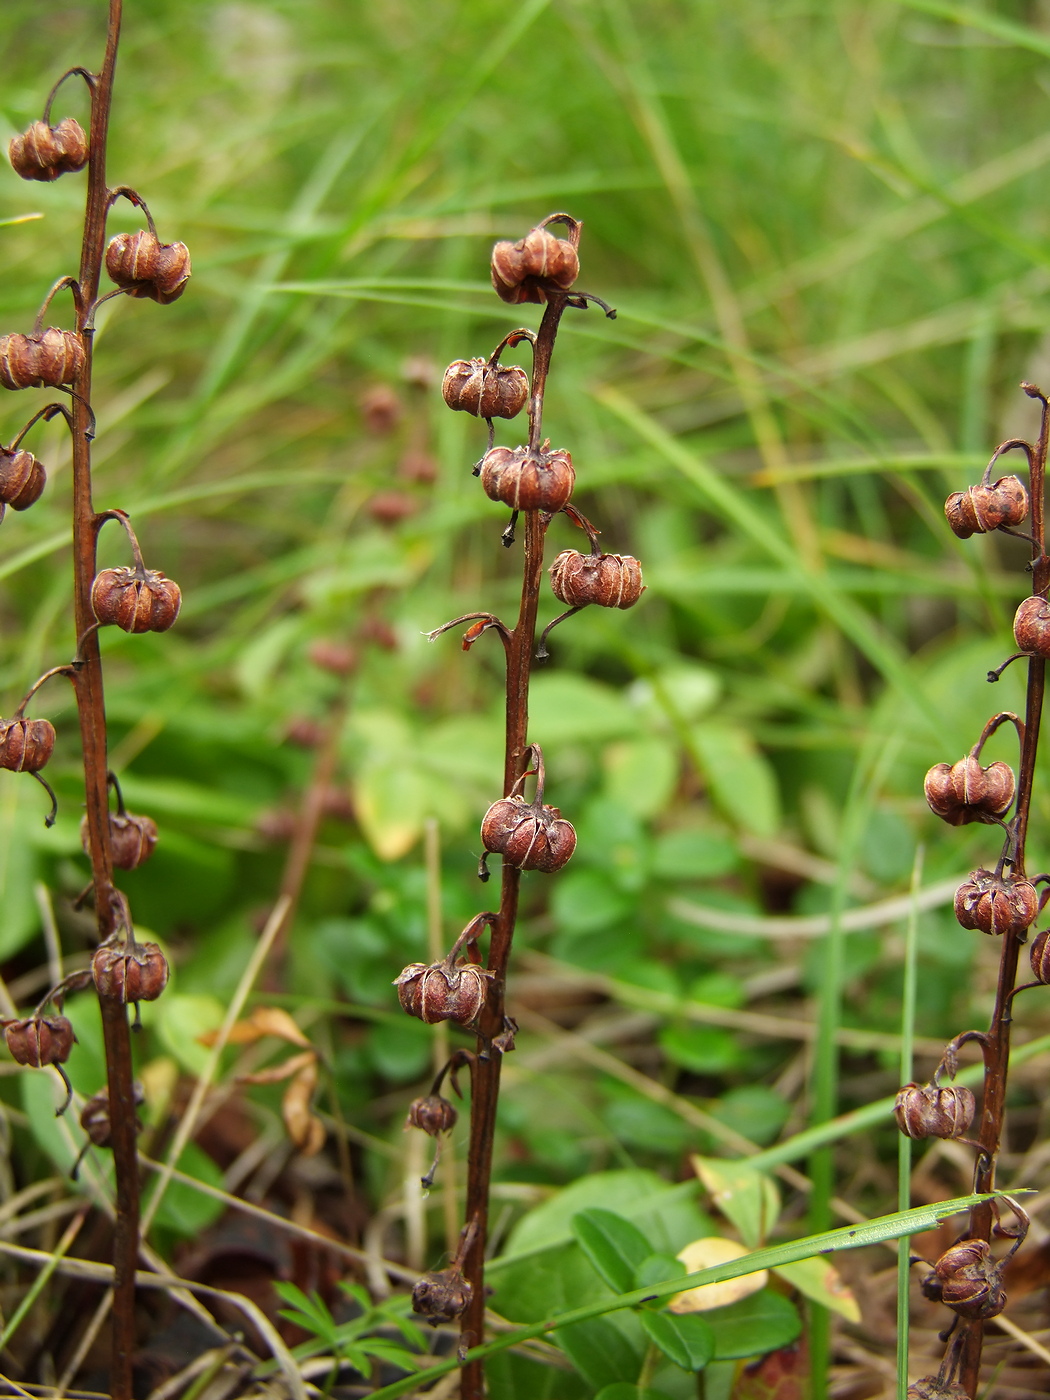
x,y
820,1280
688,1341
19,918
613,1245
623,1390
676,695
638,1195
640,774
181,1018
183,1210
584,900
655,1268
749,1199
261,657
762,1322
391,804
572,709
739,777
703,1049
599,1351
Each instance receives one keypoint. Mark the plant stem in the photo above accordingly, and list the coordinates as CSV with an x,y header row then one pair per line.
x,y
92,714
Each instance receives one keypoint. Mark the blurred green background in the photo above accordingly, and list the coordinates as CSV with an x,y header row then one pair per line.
x,y
823,226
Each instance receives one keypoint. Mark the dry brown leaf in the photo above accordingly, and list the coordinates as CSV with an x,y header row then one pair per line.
x,y
276,1073
306,1131
264,1020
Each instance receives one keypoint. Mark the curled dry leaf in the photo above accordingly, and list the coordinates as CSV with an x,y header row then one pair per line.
x,y
705,1254
305,1130
264,1020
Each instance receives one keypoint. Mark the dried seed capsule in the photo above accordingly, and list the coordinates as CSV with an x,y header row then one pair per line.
x,y
528,480
967,1279
934,1388
610,580
46,361
26,744
22,478
433,1114
1032,627
985,508
442,1295
536,264
528,837
136,972
145,267
46,152
485,389
965,792
1039,957
443,992
996,904
925,1111
135,602
131,839
40,1040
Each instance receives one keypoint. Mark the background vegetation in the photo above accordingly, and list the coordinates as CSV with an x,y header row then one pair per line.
x,y
823,225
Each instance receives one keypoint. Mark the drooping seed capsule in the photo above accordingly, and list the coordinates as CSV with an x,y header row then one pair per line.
x,y
485,389
996,904
610,580
130,973
26,744
433,1114
1039,957
135,602
49,360
1032,627
131,839
442,991
925,1110
40,1040
46,152
526,836
442,1296
527,480
144,267
985,508
540,262
935,1388
966,1279
22,478
965,792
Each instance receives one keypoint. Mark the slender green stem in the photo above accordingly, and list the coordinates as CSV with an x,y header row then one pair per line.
x,y
908,1001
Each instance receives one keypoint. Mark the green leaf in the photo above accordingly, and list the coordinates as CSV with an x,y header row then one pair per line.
x,y
749,1199
391,804
822,1282
640,774
761,1322
741,780
570,709
183,1210
599,1351
613,1245
687,1340
623,1390
703,1049
182,1017
584,900
19,918
655,1268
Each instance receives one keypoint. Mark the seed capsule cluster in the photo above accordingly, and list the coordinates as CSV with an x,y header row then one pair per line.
x,y
45,152
135,600
47,359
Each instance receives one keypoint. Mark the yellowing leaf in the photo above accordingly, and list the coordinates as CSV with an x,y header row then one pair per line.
x,y
705,1254
822,1282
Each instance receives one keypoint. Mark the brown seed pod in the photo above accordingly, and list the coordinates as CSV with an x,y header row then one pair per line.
x,y
40,1040
46,361
925,1111
538,263
527,480
433,1114
391,507
336,658
485,389
934,1388
984,508
131,839
144,267
526,836
442,1296
129,973
26,744
46,152
22,478
1032,627
134,601
1039,957
996,904
443,991
965,792
610,580
966,1279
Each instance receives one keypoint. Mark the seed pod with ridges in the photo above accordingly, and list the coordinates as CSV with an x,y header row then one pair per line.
x,y
933,1388
966,1279
527,480
22,478
985,508
538,263
925,1111
40,1040
965,792
442,992
135,602
49,360
145,267
442,1296
131,839
46,152
996,904
1039,957
433,1114
26,744
610,580
1032,627
129,974
528,837
485,389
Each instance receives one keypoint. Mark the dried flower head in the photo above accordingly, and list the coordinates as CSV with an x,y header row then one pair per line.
x,y
1039,957
45,152
1032,627
22,478
526,836
485,389
131,839
967,1279
537,264
26,744
144,267
48,360
40,1040
433,1114
527,480
984,508
996,904
130,972
965,792
443,991
610,580
926,1110
442,1295
135,601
